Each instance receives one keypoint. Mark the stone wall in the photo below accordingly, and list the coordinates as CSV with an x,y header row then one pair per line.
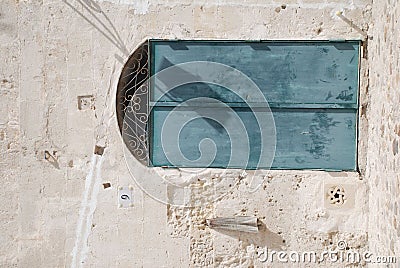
x,y
383,172
61,61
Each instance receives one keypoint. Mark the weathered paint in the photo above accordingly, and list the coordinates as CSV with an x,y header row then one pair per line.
x,y
312,88
286,72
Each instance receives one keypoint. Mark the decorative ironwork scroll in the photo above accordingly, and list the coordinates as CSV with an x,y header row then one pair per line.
x,y
132,103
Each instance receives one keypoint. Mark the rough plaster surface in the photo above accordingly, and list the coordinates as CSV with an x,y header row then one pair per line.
x,y
55,211
383,166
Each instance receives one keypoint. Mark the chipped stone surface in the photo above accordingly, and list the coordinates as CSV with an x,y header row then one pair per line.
x,y
60,215
383,113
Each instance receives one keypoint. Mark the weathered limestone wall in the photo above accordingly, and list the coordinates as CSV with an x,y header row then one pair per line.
x,y
383,169
55,211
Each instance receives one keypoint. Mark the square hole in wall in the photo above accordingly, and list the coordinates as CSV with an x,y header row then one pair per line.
x,y
86,102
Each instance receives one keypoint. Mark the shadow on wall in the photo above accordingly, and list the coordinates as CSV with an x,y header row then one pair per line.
x,y
264,237
101,23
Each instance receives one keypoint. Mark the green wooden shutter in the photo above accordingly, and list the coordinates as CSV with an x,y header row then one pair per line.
x,y
311,88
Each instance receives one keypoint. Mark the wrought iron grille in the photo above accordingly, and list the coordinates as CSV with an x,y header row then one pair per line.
x,y
132,103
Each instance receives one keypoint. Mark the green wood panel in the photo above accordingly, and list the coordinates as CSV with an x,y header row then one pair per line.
x,y
287,72
306,139
312,88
